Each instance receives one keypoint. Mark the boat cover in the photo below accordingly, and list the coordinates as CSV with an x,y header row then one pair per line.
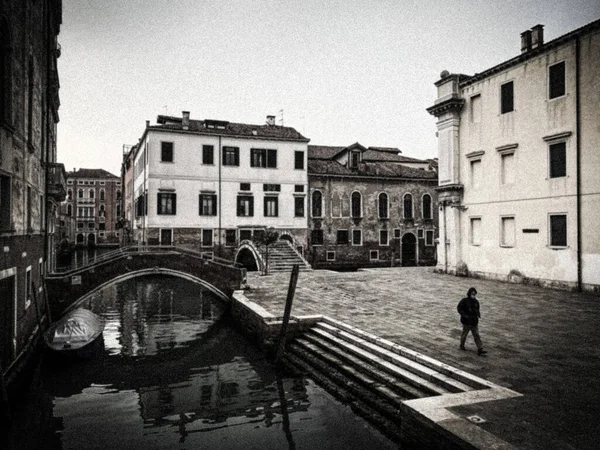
x,y
76,329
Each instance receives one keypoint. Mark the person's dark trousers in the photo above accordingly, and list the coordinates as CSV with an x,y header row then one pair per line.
x,y
475,331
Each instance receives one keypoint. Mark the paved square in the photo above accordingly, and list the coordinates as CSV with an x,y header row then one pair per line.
x,y
542,343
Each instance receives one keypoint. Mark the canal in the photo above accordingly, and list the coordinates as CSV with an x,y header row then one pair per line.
x,y
174,373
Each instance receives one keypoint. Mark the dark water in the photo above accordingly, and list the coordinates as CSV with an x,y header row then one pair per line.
x,y
173,374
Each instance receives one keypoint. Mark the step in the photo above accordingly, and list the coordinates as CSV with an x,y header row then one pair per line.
x,y
344,350
399,388
330,332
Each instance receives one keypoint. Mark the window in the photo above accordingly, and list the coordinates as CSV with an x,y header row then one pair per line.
x,y
507,103
384,237
271,187
69,210
244,186
118,212
475,232
30,103
427,212
271,207
231,156
207,238
342,237
298,206
330,256
420,234
208,154
476,108
397,233
230,238
5,73
383,206
558,230
5,206
80,193
558,159
102,226
118,195
298,188
356,237
167,203
92,193
80,225
207,205
356,204
166,152
556,80
317,204
29,208
299,160
508,168
507,231
91,226
69,194
102,211
260,157
245,206
476,173
408,206
429,237
245,235
316,237
354,159
102,195
374,255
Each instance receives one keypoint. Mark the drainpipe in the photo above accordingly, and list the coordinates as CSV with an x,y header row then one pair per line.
x,y
219,201
445,239
578,158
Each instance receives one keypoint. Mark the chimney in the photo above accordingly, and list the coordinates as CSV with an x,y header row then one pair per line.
x,y
525,41
537,36
270,120
147,123
185,122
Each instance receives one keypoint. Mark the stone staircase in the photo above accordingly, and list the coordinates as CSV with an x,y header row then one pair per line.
x,y
282,257
373,375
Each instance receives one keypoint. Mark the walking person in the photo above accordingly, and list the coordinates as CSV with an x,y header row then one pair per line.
x,y
468,308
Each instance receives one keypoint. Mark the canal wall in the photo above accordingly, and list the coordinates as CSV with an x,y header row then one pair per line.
x,y
263,327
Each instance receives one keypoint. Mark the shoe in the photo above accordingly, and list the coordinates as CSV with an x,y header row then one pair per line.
x,y
462,347
481,352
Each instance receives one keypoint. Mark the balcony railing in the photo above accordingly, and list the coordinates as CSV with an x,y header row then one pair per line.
x,y
57,184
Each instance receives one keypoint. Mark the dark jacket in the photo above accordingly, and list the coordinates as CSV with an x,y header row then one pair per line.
x,y
468,308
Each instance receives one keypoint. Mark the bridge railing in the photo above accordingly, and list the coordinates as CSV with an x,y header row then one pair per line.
x,y
137,249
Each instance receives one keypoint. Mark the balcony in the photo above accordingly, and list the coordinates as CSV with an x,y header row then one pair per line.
x,y
57,184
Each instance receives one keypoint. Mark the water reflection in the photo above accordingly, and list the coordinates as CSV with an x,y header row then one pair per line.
x,y
175,374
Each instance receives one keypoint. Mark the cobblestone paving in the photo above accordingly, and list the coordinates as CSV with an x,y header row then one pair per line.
x,y
542,343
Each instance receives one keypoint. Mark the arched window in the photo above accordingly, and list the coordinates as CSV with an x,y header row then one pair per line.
x,y
5,73
427,206
69,210
102,194
383,206
408,206
102,211
92,193
356,204
69,194
317,204
80,193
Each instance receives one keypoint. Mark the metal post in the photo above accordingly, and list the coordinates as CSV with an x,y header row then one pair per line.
x,y
287,312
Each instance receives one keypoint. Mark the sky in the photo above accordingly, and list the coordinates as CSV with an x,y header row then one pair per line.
x,y
339,71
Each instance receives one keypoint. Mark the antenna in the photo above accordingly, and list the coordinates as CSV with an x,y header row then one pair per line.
x,y
281,120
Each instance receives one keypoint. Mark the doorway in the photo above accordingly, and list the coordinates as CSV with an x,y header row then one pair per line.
x,y
409,250
166,237
7,320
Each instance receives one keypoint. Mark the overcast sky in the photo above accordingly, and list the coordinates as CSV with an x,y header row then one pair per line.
x,y
341,71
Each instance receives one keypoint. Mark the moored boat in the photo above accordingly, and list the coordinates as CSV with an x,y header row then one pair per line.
x,y
75,331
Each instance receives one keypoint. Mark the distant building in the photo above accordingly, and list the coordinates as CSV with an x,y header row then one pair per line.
x,y
518,164
92,209
211,184
370,207
32,183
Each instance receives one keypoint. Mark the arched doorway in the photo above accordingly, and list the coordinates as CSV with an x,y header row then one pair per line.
x,y
80,238
246,258
286,237
409,250
91,240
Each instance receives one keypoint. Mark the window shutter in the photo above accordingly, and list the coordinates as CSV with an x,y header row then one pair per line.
x,y
252,206
174,204
158,210
272,158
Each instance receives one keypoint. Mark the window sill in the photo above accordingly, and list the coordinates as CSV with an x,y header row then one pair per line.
x,y
507,246
557,247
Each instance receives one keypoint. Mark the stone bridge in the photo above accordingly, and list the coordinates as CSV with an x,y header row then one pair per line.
x,y
220,276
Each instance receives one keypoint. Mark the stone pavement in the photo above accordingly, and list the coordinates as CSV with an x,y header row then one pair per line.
x,y
542,343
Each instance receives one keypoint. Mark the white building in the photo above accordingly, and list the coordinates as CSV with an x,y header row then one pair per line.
x,y
519,190
210,184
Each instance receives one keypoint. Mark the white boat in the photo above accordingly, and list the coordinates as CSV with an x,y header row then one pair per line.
x,y
75,330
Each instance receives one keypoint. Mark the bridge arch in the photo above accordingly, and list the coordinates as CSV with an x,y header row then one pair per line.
x,y
154,271
247,254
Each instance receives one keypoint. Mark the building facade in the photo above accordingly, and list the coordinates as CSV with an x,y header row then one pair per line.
x,y
31,181
370,207
210,184
91,211
518,164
